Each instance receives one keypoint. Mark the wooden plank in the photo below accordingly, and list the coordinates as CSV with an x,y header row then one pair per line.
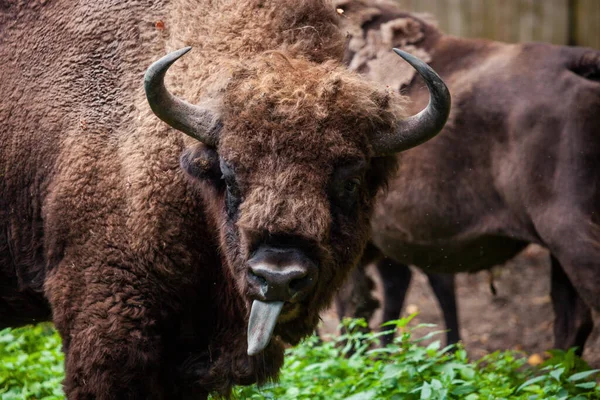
x,y
455,20
405,5
587,23
480,19
537,33
516,20
554,23
506,26
442,9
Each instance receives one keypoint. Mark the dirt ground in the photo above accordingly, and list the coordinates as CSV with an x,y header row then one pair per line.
x,y
518,317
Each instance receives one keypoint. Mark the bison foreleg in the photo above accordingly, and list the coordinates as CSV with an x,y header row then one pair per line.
x,y
355,300
395,279
113,329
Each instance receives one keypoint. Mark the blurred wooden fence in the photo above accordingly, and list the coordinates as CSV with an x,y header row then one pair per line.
x,y
575,22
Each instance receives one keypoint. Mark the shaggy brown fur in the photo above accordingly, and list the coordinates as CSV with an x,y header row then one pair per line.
x,y
517,163
141,263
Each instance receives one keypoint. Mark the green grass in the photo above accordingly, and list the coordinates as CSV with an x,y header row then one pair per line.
x,y
347,367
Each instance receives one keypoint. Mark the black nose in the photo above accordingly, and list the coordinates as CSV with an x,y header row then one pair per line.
x,y
280,274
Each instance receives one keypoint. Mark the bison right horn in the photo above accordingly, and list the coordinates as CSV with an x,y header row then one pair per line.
x,y
195,121
413,131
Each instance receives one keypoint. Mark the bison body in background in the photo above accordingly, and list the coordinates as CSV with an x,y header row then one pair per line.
x,y
171,267
517,163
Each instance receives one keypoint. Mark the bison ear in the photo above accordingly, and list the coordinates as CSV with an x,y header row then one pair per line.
x,y
202,163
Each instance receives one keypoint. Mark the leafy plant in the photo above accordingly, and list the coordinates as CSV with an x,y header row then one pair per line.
x,y
31,363
349,367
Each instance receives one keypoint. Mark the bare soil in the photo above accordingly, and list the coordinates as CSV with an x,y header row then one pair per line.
x,y
518,317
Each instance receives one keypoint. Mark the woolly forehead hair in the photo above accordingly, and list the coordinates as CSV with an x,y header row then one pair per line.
x,y
296,91
223,32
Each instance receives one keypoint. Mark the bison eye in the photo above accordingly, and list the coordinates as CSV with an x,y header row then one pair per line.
x,y
345,185
351,185
201,163
344,195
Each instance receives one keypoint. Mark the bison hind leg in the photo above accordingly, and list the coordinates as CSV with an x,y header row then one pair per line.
x,y
444,289
573,321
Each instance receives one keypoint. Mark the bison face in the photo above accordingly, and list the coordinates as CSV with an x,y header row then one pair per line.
x,y
292,222
286,232
294,158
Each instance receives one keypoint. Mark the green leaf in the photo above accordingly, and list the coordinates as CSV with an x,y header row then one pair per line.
x,y
463,389
424,325
434,345
436,384
461,355
368,395
428,336
467,373
392,371
586,385
425,391
400,323
531,382
556,374
582,375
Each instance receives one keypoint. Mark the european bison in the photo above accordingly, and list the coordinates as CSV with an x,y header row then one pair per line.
x,y
518,163
177,265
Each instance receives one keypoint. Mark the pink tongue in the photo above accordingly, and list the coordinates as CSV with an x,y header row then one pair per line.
x,y
263,317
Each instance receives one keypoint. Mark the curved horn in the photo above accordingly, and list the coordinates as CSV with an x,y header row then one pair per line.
x,y
419,128
197,122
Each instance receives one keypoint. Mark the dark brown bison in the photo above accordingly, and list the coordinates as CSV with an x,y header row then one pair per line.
x,y
175,265
519,163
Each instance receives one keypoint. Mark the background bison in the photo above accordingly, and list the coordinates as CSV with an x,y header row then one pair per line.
x,y
154,253
517,165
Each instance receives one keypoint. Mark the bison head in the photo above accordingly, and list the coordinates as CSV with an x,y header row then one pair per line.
x,y
294,159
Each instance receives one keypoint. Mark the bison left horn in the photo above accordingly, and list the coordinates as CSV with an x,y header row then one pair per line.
x,y
413,131
195,121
